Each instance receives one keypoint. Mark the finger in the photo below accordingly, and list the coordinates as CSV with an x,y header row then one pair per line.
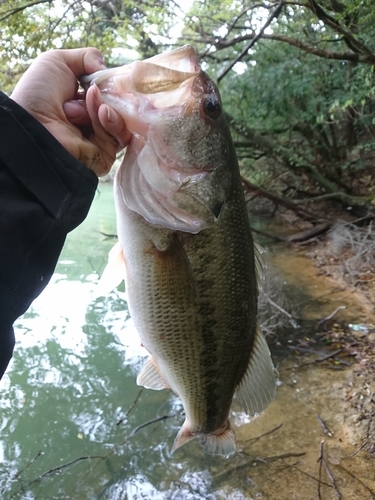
x,y
91,157
82,61
106,144
76,112
115,125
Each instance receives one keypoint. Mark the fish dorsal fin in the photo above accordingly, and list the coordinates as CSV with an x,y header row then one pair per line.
x,y
150,377
257,388
113,273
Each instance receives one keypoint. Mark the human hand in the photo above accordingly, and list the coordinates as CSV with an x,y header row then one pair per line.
x,y
90,130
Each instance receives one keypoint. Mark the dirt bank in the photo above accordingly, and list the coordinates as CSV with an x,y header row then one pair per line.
x,y
318,437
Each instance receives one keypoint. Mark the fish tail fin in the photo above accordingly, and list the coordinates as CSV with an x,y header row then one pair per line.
x,y
219,444
257,388
184,436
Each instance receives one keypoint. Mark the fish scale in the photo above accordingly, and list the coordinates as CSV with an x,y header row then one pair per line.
x,y
185,246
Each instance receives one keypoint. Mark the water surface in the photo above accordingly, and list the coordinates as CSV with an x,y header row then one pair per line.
x,y
74,424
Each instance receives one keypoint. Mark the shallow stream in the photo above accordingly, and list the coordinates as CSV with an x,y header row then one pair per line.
x,y
74,424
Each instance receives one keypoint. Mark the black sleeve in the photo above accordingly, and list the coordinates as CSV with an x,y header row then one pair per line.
x,y
44,193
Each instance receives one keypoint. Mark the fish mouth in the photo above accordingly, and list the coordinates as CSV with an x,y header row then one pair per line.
x,y
180,209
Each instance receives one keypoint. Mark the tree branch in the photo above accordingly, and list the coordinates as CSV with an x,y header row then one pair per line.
x,y
273,16
11,12
350,39
306,47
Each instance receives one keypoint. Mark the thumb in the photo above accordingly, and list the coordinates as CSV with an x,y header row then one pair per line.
x,y
82,61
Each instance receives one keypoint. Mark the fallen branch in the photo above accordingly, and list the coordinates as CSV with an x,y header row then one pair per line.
x,y
254,440
67,464
324,427
268,235
263,460
312,477
372,493
276,305
310,233
331,315
107,235
319,360
322,462
150,422
18,473
362,446
131,407
278,200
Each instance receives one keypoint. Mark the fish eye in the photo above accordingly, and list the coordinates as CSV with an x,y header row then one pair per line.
x,y
212,108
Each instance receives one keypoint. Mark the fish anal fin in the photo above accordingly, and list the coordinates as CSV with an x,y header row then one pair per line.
x,y
150,377
223,443
184,436
257,388
113,273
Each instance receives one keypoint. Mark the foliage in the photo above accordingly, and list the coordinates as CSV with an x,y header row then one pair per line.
x,y
296,77
301,99
28,28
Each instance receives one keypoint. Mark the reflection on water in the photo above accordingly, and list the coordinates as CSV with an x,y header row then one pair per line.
x,y
71,415
67,401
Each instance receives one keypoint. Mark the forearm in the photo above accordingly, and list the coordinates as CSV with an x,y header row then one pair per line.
x,y
44,193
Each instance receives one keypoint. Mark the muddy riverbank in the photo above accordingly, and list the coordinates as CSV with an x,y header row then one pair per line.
x,y
316,440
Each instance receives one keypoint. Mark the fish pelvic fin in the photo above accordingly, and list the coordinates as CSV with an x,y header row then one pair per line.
x,y
113,273
223,443
150,377
184,436
257,388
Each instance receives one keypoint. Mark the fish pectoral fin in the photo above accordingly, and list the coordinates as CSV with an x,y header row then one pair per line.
x,y
223,443
184,436
174,268
257,388
113,273
150,377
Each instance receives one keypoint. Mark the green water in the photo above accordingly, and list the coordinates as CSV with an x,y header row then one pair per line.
x,y
69,402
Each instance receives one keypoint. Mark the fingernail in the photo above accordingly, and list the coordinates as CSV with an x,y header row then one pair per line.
x,y
111,115
98,94
101,63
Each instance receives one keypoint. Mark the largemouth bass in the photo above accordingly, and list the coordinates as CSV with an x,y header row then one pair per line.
x,y
185,247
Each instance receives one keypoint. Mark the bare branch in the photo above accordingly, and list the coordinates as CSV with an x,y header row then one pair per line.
x,y
306,47
273,16
350,39
11,12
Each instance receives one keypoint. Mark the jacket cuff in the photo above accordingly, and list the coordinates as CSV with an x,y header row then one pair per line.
x,y
64,186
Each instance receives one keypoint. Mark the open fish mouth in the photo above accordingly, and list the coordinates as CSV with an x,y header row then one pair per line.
x,y
174,207
192,294
159,178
